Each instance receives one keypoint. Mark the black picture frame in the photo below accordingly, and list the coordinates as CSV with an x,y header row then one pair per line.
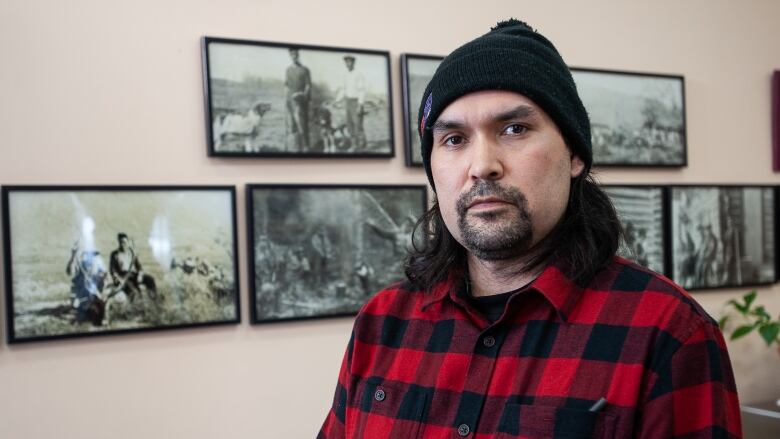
x,y
176,267
322,250
643,211
723,236
416,71
249,113
638,119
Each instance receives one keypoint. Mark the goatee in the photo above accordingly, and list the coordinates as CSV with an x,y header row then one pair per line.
x,y
499,235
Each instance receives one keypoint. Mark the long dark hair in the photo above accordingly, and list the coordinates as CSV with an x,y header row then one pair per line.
x,y
584,241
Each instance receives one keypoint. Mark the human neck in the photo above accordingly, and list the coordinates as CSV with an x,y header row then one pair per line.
x,y
488,278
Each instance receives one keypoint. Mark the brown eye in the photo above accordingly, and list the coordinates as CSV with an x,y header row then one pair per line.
x,y
515,129
453,140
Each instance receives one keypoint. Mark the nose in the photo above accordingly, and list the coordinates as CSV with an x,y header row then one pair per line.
x,y
486,162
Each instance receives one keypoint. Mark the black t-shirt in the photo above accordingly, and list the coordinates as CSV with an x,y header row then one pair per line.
x,y
492,307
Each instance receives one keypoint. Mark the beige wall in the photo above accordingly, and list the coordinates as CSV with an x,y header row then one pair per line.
x,y
110,92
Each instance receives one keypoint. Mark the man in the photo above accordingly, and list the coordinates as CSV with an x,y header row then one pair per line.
x,y
297,83
642,258
688,250
323,253
634,238
303,269
88,277
353,93
126,271
265,261
707,257
518,320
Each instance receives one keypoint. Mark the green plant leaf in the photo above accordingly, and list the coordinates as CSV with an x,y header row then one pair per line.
x,y
760,311
742,331
769,332
749,298
741,308
722,322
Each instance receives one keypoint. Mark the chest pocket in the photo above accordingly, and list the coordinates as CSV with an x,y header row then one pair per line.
x,y
536,421
389,407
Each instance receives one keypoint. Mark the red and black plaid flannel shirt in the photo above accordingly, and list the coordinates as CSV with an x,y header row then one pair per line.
x,y
428,365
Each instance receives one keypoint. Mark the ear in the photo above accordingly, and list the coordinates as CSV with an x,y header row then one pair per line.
x,y
577,165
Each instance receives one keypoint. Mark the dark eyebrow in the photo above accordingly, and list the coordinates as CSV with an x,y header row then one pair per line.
x,y
519,112
444,125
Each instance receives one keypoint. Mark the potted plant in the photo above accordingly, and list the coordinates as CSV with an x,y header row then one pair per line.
x,y
753,317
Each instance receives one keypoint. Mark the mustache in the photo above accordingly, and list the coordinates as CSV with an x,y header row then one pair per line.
x,y
489,188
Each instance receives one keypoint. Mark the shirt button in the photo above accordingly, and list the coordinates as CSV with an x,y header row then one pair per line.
x,y
489,341
464,430
379,395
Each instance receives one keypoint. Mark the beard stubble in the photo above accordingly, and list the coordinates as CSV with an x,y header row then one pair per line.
x,y
500,235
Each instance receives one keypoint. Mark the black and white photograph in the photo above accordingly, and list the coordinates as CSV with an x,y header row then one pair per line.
x,y
268,99
416,73
319,251
641,212
724,236
637,119
91,260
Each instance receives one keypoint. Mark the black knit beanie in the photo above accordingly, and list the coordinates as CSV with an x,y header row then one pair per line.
x,y
513,57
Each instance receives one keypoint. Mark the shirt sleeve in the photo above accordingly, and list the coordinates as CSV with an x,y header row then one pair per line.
x,y
692,393
333,427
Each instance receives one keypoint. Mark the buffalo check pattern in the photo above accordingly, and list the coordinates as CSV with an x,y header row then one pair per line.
x,y
428,365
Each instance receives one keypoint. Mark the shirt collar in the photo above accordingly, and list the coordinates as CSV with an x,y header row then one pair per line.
x,y
562,293
451,286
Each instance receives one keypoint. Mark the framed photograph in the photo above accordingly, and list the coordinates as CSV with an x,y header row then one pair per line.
x,y
416,73
641,211
723,236
637,119
318,251
293,100
88,260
